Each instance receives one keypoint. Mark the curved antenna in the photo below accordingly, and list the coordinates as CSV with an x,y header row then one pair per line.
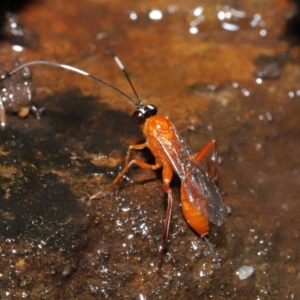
x,y
119,63
70,68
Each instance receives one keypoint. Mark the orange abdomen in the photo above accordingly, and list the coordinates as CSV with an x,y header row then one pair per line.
x,y
193,217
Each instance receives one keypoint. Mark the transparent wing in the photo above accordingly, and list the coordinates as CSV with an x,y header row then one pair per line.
x,y
201,190
199,185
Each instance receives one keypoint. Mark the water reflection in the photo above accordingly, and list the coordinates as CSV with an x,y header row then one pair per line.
x,y
155,14
229,18
133,15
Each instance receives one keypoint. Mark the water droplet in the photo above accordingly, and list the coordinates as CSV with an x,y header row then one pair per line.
x,y
17,48
263,32
194,30
244,272
230,26
269,116
198,11
133,15
245,92
155,14
221,15
259,80
172,9
291,94
255,20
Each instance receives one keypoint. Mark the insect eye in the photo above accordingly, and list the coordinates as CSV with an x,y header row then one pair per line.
x,y
139,117
150,110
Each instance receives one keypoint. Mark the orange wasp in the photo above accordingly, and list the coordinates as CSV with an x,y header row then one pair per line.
x,y
200,197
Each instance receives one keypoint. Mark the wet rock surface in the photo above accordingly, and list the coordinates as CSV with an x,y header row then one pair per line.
x,y
196,64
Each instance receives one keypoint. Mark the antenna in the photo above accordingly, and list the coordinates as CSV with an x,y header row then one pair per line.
x,y
119,63
76,70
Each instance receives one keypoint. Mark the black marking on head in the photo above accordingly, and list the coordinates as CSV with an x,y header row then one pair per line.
x,y
143,113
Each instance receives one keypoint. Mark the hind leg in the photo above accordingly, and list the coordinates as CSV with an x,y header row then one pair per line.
x,y
203,153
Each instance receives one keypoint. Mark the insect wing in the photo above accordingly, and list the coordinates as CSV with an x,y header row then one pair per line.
x,y
200,182
176,150
202,191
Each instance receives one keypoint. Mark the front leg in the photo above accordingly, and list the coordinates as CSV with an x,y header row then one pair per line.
x,y
134,147
126,166
140,163
131,147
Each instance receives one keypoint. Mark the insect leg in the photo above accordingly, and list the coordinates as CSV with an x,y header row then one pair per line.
x,y
211,249
140,163
167,177
134,147
203,153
